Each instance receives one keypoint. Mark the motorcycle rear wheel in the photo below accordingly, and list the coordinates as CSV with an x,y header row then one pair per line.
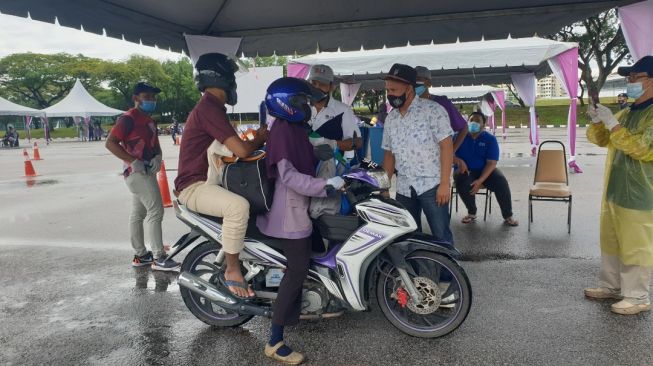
x,y
433,317
200,262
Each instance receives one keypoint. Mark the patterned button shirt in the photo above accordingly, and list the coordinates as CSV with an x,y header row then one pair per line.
x,y
414,140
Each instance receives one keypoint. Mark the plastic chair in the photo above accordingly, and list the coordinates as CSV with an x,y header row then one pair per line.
x,y
551,181
483,192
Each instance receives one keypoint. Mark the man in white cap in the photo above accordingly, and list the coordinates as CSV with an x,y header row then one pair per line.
x,y
326,111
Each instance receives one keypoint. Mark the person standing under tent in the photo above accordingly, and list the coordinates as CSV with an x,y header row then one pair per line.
x,y
456,120
329,110
627,206
417,143
134,141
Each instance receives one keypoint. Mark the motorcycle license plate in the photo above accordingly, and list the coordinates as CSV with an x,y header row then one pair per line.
x,y
273,277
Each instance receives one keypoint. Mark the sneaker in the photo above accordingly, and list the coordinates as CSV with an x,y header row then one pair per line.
x,y
144,260
602,293
164,264
625,307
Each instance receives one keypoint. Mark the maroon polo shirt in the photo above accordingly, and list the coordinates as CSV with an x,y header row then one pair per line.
x,y
207,122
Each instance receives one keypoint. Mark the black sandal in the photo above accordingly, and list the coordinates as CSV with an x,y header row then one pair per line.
x,y
227,283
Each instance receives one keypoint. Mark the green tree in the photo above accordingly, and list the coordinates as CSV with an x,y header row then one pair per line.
x,y
179,93
371,99
41,80
122,76
601,41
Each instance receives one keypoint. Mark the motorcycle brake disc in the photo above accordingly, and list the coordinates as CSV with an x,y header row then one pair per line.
x,y
431,296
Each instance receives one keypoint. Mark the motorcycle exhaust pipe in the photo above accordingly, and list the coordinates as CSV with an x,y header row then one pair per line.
x,y
209,291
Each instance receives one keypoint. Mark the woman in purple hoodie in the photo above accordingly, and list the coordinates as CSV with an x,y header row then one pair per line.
x,y
291,163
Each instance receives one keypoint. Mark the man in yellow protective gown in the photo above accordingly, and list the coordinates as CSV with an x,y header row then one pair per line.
x,y
627,207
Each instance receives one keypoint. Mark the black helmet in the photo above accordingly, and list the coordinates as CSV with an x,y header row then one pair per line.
x,y
215,70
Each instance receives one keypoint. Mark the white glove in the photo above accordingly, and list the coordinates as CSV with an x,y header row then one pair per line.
x,y
155,164
336,182
601,113
137,166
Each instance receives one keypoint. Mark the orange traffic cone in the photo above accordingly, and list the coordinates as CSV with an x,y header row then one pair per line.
x,y
25,154
29,169
178,140
162,178
37,155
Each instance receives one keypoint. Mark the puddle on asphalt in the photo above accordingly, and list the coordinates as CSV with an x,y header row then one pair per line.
x,y
145,279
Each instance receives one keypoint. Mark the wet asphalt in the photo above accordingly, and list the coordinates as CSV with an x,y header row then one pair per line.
x,y
68,295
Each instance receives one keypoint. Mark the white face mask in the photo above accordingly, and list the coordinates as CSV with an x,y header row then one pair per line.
x,y
635,90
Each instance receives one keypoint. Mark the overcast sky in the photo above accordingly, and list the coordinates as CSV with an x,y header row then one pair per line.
x,y
19,35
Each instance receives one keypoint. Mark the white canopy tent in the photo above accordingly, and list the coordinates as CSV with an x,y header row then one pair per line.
x,y
80,105
466,63
8,108
464,92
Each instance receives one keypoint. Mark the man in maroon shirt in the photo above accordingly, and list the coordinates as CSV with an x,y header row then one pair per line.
x,y
208,122
134,140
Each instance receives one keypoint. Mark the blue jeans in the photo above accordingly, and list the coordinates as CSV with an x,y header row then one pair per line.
x,y
436,216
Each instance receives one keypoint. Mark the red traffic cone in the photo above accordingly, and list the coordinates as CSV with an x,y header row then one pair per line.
x,y
178,140
29,169
162,178
25,154
37,155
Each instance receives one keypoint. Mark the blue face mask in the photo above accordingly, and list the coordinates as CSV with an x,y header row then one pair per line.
x,y
420,89
474,127
634,90
147,106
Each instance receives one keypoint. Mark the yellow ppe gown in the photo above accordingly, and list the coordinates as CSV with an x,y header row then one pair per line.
x,y
627,207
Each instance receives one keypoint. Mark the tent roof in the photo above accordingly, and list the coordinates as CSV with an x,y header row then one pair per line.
x,y
8,108
464,92
462,63
79,103
289,26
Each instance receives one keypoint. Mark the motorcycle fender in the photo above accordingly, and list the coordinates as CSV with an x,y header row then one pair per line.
x,y
398,251
184,242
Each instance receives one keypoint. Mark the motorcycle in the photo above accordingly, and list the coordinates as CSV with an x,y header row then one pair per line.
x,y
419,286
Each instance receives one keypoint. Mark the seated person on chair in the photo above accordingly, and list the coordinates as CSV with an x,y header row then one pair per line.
x,y
11,137
477,160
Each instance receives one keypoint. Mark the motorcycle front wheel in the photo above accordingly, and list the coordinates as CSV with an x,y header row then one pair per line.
x,y
445,290
201,262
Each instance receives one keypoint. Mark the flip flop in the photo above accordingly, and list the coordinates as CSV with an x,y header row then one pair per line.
x,y
227,283
469,219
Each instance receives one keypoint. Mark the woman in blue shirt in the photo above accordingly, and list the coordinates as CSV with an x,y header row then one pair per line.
x,y
477,160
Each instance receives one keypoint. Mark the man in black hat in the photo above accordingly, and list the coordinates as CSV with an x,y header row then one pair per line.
x,y
418,144
135,141
627,210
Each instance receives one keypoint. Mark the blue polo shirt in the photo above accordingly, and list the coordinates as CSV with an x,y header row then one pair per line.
x,y
476,152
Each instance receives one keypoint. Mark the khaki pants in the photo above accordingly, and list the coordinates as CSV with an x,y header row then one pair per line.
x,y
213,200
633,282
146,203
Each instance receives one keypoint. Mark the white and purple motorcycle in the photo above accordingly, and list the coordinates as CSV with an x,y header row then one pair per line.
x,y
418,284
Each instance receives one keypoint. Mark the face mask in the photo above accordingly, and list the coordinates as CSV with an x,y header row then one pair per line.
x,y
147,106
474,127
420,89
397,101
635,90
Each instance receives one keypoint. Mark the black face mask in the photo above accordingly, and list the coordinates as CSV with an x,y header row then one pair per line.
x,y
397,101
